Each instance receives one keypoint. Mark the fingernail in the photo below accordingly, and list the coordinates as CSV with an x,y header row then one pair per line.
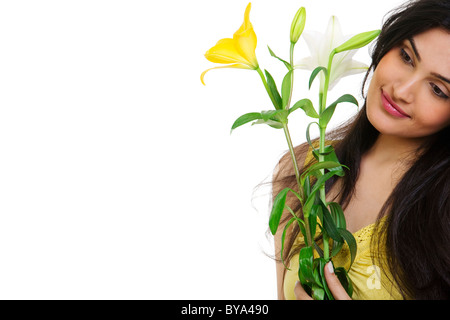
x,y
330,267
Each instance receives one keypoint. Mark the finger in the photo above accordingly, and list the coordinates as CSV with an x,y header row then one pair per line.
x,y
300,293
334,284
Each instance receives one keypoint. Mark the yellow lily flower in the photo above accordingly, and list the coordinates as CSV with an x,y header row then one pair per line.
x,y
238,52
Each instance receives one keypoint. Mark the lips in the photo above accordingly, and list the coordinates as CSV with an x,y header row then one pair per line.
x,y
391,107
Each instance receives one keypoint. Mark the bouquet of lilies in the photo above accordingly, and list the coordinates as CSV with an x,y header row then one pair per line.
x,y
331,60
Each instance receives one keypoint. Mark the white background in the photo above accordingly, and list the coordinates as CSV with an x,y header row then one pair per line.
x,y
119,178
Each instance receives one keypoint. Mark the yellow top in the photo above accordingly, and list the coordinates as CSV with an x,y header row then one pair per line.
x,y
369,283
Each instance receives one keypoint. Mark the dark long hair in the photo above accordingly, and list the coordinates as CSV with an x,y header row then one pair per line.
x,y
416,235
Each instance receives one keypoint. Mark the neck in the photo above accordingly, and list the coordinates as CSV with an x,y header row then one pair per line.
x,y
392,149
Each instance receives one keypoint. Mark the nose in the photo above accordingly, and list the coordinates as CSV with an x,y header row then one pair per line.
x,y
404,89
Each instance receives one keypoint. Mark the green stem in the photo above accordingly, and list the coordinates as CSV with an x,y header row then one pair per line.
x,y
322,106
288,138
326,251
291,60
291,147
327,82
297,176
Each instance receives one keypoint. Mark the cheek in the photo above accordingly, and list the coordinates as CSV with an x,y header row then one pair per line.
x,y
373,101
434,118
374,89
380,78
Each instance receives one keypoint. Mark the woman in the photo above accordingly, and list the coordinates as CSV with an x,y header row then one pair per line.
x,y
396,194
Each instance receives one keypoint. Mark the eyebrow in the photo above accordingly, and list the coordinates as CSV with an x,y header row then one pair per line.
x,y
441,77
413,46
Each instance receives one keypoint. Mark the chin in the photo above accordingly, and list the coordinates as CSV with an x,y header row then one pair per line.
x,y
385,125
376,118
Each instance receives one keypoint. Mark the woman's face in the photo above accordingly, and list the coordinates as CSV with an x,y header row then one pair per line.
x,y
409,94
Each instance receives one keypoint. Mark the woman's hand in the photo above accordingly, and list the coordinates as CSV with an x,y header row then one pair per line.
x,y
333,282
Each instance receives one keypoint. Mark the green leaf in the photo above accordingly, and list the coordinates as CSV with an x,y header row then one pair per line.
x,y
315,73
306,183
358,41
245,119
344,279
330,155
273,118
271,123
308,137
305,262
287,64
350,239
268,115
274,91
314,168
277,210
303,230
283,236
307,106
338,214
329,224
322,179
318,249
316,272
315,211
317,292
311,198
280,115
286,88
322,263
326,115
337,246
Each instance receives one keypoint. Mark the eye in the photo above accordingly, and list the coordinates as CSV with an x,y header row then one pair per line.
x,y
437,91
405,57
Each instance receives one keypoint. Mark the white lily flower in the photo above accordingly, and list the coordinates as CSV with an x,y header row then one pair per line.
x,y
320,46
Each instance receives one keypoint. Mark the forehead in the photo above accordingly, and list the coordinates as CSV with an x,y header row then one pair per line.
x,y
434,48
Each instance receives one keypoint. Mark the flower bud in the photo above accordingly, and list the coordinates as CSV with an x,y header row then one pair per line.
x,y
358,41
298,24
